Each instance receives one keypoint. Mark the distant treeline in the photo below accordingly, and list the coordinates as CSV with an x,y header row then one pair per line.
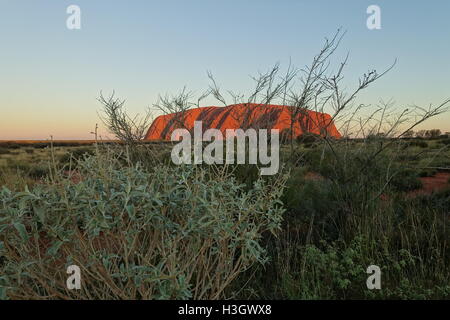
x,y
45,144
307,138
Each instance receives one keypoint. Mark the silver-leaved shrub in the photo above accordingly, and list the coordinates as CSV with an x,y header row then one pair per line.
x,y
172,233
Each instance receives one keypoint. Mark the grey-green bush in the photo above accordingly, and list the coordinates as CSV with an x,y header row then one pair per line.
x,y
172,233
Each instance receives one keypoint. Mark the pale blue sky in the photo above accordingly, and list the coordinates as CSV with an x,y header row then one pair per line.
x,y
50,76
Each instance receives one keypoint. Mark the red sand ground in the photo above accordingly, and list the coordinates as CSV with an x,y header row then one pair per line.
x,y
314,176
432,184
435,183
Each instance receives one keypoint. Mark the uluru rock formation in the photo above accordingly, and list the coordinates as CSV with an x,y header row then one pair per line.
x,y
244,116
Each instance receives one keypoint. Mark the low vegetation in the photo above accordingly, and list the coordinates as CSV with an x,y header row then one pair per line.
x,y
141,231
140,227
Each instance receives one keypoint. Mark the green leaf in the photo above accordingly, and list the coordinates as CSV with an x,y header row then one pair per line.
x,y
40,213
3,295
22,230
131,211
53,250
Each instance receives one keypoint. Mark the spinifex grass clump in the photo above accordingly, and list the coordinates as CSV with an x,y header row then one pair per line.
x,y
347,210
172,233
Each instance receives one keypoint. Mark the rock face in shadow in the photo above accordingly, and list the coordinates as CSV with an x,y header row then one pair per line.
x,y
245,116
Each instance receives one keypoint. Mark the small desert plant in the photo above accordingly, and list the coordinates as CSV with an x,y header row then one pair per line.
x,y
308,138
75,155
406,180
127,129
31,170
406,238
4,150
418,143
173,233
11,145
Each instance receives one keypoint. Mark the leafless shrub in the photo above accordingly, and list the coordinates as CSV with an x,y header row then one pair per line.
x,y
116,119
